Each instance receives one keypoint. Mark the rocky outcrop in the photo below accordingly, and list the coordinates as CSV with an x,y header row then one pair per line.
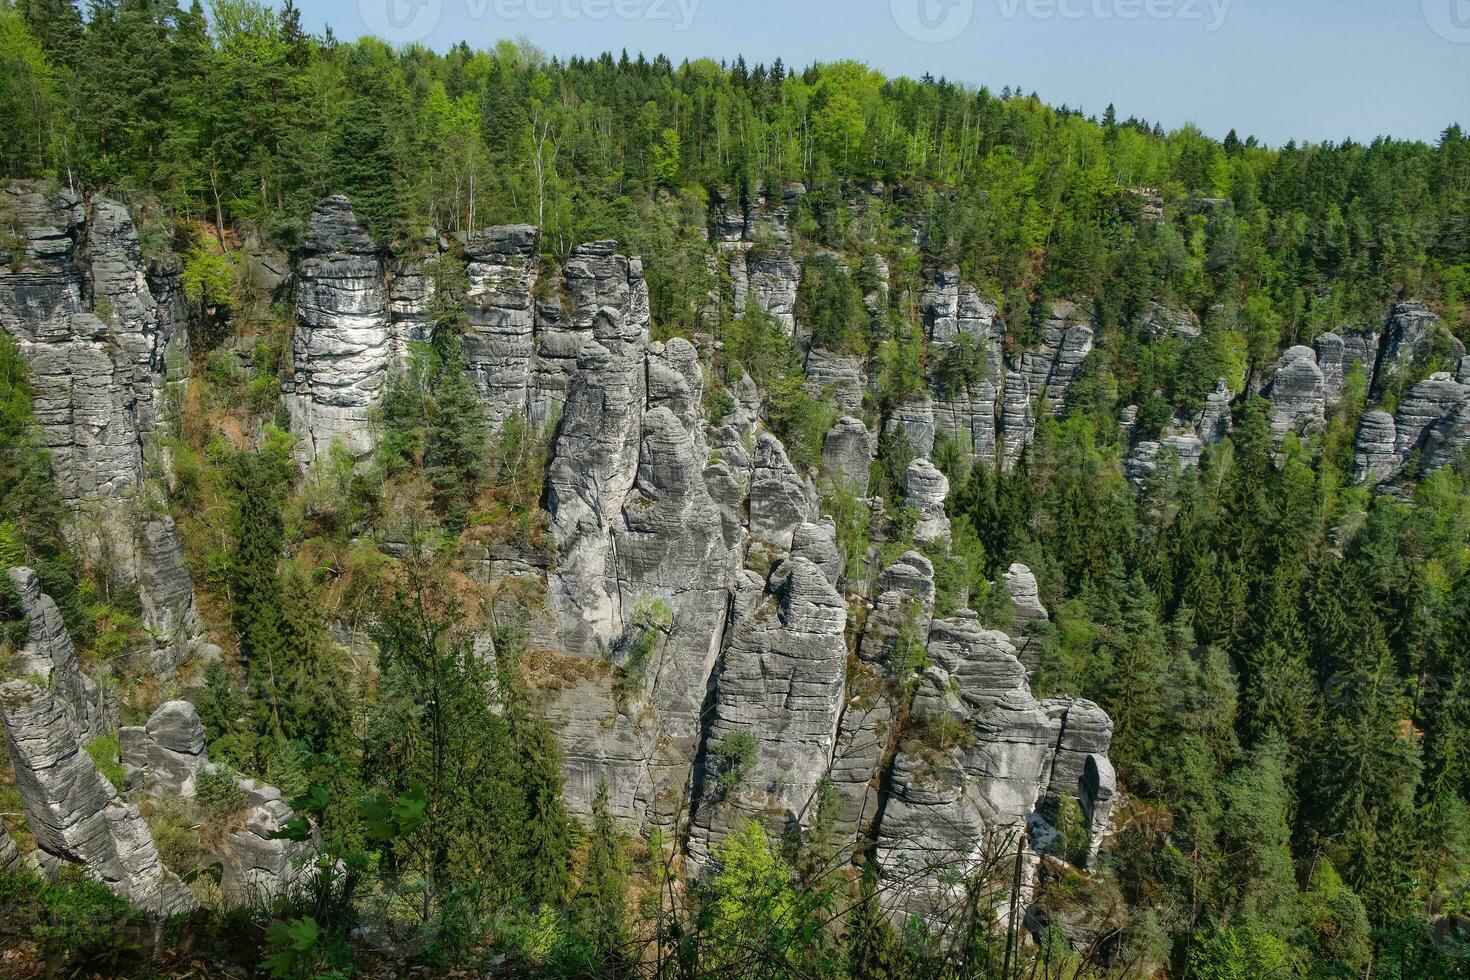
x,y
165,756
1066,340
74,814
847,454
1025,595
98,325
914,420
257,867
1331,354
1163,321
49,657
958,321
779,499
342,349
982,760
897,624
1298,396
1448,438
925,490
1426,403
1375,448
166,590
838,376
1213,423
1410,336
1146,457
1017,424
756,240
780,684
499,339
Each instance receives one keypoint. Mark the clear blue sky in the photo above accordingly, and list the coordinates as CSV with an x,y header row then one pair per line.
x,y
1279,69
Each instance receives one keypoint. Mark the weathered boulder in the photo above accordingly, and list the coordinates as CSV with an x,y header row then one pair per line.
x,y
1163,321
166,590
1298,397
74,814
341,348
164,757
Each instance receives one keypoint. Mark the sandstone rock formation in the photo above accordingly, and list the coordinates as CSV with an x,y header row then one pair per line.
x,y
1298,396
99,326
342,352
1375,448
49,657
74,814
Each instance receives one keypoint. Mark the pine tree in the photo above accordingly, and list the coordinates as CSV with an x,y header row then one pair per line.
x,y
602,895
546,840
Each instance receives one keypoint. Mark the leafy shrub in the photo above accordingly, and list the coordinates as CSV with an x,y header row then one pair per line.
x,y
220,792
734,760
104,753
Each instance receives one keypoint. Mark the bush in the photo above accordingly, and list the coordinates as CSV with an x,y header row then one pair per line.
x,y
734,759
104,753
220,792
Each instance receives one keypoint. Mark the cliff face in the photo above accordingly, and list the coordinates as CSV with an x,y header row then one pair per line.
x,y
716,652
102,328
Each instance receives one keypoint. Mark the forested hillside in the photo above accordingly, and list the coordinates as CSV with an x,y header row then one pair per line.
x,y
618,518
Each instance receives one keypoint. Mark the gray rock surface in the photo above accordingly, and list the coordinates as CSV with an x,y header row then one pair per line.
x,y
1426,403
915,419
780,681
1408,337
1375,448
1146,457
847,454
1017,424
342,349
98,326
49,657
499,340
779,499
1298,396
1025,596
925,490
164,757
1213,423
74,814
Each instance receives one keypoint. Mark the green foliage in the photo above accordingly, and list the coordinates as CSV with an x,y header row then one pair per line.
x,y
79,925
28,99
830,305
219,790
104,754
735,758
208,278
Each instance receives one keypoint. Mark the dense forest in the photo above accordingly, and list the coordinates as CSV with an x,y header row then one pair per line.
x,y
1281,647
